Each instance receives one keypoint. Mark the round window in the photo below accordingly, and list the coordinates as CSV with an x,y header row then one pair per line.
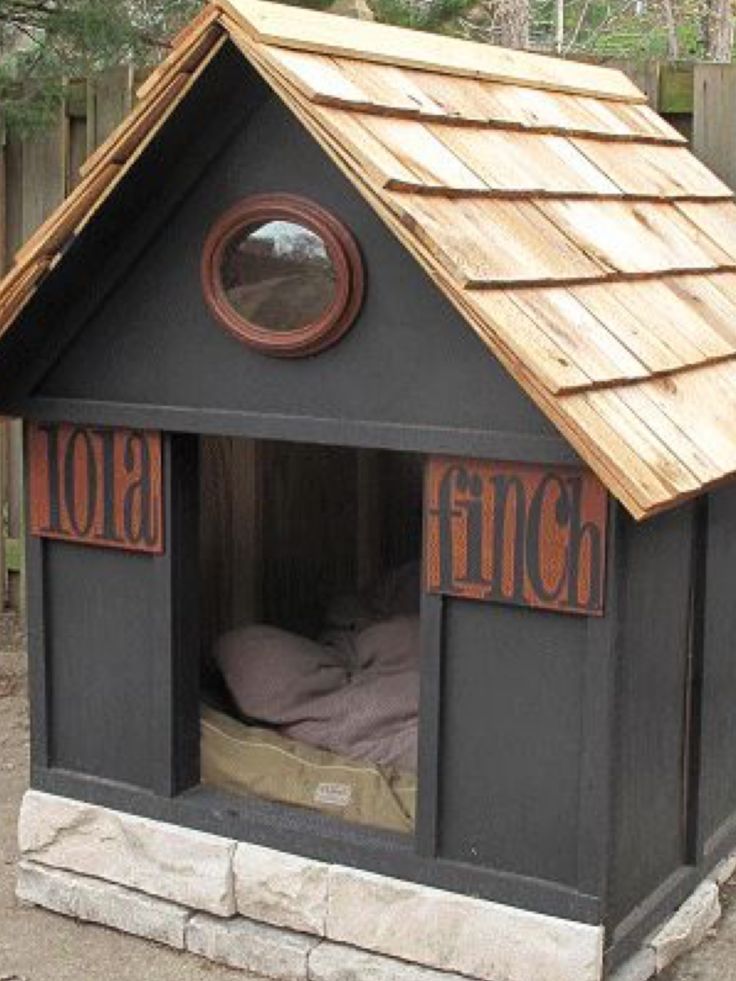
x,y
283,275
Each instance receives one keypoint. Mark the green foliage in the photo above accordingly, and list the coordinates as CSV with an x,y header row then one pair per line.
x,y
311,4
45,42
627,29
433,15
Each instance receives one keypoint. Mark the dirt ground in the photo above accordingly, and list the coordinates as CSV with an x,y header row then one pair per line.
x,y
39,946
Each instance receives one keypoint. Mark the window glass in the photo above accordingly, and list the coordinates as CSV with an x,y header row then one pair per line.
x,y
278,275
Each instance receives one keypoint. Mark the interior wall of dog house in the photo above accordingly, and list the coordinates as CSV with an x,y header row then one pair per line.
x,y
570,764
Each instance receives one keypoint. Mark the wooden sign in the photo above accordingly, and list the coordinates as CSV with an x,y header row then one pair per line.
x,y
514,533
97,486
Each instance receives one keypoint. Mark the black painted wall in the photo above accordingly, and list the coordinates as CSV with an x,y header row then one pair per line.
x,y
649,831
102,662
718,775
512,701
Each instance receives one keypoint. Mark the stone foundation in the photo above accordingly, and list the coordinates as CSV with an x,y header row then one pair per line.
x,y
277,915
289,918
101,902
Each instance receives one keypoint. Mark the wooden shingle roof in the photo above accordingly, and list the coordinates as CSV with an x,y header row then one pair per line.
x,y
590,251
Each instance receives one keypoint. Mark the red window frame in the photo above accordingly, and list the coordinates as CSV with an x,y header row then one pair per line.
x,y
341,248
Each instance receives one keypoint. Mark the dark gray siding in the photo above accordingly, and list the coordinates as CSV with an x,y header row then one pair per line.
x,y
102,654
511,739
718,772
649,823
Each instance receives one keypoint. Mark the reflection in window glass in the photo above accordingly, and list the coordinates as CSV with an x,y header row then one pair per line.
x,y
278,275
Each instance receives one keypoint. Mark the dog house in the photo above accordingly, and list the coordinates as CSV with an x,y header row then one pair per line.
x,y
379,394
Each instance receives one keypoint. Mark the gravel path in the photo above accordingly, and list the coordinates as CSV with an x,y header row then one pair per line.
x,y
39,946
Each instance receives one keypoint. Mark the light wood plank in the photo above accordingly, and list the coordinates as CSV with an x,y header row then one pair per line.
x,y
565,113
387,89
669,318
653,171
583,338
469,99
632,327
636,237
683,443
640,438
674,305
308,30
506,323
632,464
639,119
721,294
703,403
379,161
419,150
391,85
492,242
322,79
715,220
638,302
712,299
525,163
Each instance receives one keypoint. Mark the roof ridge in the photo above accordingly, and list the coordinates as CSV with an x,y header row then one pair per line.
x,y
309,30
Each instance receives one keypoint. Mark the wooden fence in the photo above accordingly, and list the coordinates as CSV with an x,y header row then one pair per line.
x,y
36,174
